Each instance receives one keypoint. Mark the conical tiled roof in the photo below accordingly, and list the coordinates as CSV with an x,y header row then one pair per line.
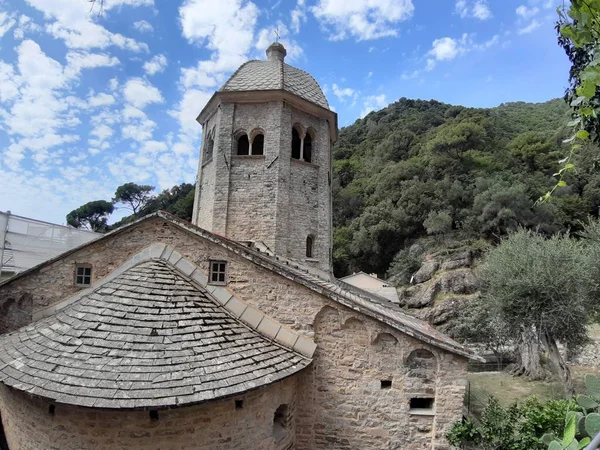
x,y
274,74
149,338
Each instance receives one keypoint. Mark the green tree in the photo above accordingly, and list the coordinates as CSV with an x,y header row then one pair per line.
x,y
534,149
457,138
134,196
93,215
541,289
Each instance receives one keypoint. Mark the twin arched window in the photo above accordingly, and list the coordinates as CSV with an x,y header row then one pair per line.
x,y
247,147
302,145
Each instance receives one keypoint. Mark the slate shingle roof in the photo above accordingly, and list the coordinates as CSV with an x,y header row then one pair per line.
x,y
149,338
273,75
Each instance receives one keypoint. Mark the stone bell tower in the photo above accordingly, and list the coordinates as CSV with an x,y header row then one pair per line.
x,y
265,161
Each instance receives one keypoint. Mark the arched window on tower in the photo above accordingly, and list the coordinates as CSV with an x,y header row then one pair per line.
x,y
296,144
307,151
208,147
258,145
309,246
243,145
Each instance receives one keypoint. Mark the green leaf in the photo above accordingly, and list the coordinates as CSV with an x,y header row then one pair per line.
x,y
592,384
587,111
569,166
547,438
569,432
555,445
582,134
574,122
592,424
578,101
561,183
586,402
574,445
585,441
569,140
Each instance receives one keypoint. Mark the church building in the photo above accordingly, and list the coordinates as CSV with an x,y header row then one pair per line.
x,y
229,332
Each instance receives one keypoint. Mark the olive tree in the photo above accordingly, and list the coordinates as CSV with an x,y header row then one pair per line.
x,y
543,290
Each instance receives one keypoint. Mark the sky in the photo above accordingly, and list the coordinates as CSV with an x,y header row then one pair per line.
x,y
91,98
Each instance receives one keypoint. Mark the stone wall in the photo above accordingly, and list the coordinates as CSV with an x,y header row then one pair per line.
x,y
271,198
342,403
218,425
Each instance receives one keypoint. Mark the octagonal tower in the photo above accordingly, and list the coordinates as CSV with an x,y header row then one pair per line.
x,y
265,162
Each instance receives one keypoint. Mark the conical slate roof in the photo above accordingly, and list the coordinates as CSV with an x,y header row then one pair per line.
x,y
149,338
274,74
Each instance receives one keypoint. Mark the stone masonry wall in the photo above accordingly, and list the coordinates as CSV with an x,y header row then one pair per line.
x,y
251,213
217,425
272,198
306,207
341,404
206,177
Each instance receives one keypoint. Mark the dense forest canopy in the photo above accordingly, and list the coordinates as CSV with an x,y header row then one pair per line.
x,y
476,171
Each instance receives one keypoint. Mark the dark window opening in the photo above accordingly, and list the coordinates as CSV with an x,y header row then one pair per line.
x,y
208,148
309,246
258,145
218,272
153,415
281,422
386,384
296,144
243,145
421,403
83,275
239,404
307,152
3,442
51,409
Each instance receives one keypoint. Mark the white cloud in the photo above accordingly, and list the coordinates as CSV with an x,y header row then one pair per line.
x,y
298,15
7,21
25,25
156,64
140,93
533,25
445,49
225,27
343,93
475,9
70,21
189,107
362,20
143,26
372,103
101,99
481,10
526,12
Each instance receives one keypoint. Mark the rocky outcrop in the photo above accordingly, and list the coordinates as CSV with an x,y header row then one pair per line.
x,y
441,287
460,281
428,268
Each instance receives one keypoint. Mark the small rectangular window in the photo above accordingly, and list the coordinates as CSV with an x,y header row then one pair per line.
x,y
218,272
83,275
421,405
386,384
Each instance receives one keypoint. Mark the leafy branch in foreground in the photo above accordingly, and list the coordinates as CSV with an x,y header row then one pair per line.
x,y
579,35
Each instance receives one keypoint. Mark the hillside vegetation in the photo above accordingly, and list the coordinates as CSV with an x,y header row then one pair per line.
x,y
425,168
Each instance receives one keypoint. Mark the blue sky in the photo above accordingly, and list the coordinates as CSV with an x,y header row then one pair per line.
x,y
91,100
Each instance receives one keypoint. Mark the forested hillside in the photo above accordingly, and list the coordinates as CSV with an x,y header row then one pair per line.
x,y
419,168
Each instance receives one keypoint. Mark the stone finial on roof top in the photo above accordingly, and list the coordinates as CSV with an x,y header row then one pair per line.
x,y
276,52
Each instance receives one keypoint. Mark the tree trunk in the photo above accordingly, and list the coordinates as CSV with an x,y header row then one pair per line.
x,y
529,355
559,363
